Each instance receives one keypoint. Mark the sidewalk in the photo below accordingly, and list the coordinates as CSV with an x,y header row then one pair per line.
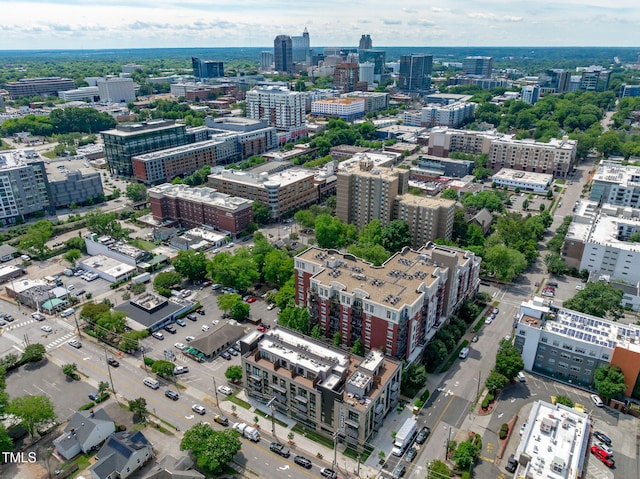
x,y
345,466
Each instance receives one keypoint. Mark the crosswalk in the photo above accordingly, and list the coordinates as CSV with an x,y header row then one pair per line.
x,y
56,342
16,325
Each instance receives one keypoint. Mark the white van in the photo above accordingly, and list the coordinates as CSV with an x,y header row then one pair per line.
x,y
67,312
464,352
521,377
152,383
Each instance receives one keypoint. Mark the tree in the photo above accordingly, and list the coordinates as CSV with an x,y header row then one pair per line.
x,y
240,311
508,360
261,213
375,253
286,295
330,231
191,264
104,224
506,263
139,409
163,368
337,339
438,469
295,317
103,387
450,194
484,199
597,299
358,347
395,236
212,450
495,381
465,454
226,302
33,411
32,353
136,192
237,270
316,332
36,236
70,370
234,373
609,382
72,256
554,264
166,281
414,378
565,401
6,443
277,268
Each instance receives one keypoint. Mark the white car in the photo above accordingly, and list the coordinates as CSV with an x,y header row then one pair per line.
x,y
270,307
488,321
199,409
579,287
47,329
74,343
226,390
179,346
215,322
230,245
205,327
596,400
189,338
604,447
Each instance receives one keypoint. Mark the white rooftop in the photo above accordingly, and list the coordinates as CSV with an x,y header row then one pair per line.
x,y
610,172
201,195
282,178
109,266
379,159
198,146
554,443
523,176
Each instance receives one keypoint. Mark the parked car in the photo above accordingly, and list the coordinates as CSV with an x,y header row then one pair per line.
x,y
603,437
232,352
36,316
225,355
604,447
423,434
512,464
170,329
226,390
411,454
302,461
180,370
113,362
180,322
93,396
596,400
192,317
474,339
495,311
189,338
205,327
330,473
279,449
172,394
270,307
606,459
221,419
252,299
262,329
198,409
10,319
158,335
179,346
200,311
399,471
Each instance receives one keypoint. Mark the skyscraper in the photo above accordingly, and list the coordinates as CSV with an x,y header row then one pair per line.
x,y
301,47
365,42
377,57
478,66
206,68
266,60
346,76
283,54
415,72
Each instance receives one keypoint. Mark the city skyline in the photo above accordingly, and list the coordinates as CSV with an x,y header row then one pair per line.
x,y
72,24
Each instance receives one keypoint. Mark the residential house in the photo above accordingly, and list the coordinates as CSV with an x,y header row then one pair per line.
x,y
122,454
84,432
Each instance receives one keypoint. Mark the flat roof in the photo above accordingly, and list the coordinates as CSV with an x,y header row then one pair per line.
x,y
623,175
378,158
177,150
554,444
149,319
524,176
282,178
109,266
202,194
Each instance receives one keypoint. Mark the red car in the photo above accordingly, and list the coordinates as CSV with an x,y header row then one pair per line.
x,y
252,299
262,329
601,454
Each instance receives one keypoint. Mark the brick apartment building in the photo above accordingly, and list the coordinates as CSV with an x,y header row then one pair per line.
x,y
396,307
194,207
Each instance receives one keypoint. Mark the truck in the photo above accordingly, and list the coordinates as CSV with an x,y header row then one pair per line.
x,y
404,436
141,278
247,431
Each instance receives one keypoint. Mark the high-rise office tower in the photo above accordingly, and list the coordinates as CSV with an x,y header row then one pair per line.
x,y
557,80
367,72
346,76
283,54
266,60
476,65
206,68
415,72
301,47
377,57
530,94
365,42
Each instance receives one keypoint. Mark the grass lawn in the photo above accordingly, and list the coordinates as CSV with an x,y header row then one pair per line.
x,y
238,401
314,436
479,324
353,454
49,154
143,244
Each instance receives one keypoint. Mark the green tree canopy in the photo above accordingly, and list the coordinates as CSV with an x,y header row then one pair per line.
x,y
495,381
358,347
32,353
277,268
238,271
72,256
103,224
167,280
234,373
34,411
450,194
136,192
597,299
163,368
395,236
484,199
261,213
139,409
609,382
295,317
565,401
504,262
414,378
508,360
212,450
191,264
240,311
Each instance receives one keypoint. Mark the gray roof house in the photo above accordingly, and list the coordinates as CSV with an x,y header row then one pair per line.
x,y
174,468
84,432
7,252
483,219
122,454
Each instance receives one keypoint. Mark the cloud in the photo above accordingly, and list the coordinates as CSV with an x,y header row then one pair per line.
x,y
421,23
409,10
439,9
495,18
392,22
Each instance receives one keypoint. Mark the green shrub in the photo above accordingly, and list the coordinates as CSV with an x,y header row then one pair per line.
x,y
503,434
490,397
149,361
485,403
419,403
84,407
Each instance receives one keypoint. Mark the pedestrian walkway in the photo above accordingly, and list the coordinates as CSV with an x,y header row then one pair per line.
x,y
56,342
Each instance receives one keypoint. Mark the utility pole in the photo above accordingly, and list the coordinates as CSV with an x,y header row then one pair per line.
x,y
77,325
144,363
215,391
335,449
273,421
478,392
109,371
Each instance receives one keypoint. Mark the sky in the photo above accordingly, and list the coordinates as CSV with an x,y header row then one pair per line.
x,y
88,24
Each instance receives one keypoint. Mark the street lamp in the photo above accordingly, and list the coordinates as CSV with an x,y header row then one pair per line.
x,y
215,391
109,371
143,358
